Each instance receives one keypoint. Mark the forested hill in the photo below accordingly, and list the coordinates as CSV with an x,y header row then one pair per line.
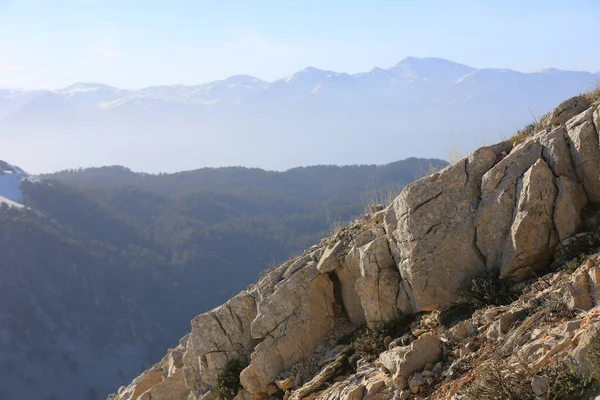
x,y
313,182
118,262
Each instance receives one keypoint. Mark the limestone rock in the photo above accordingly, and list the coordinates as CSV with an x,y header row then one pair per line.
x,y
580,355
557,154
347,276
292,321
404,361
528,244
172,388
323,376
539,385
570,203
578,291
330,259
172,361
220,335
379,280
585,151
568,109
434,232
498,199
141,384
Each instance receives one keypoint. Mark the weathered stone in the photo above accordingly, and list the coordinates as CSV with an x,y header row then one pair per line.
x,y
379,280
347,276
406,360
594,281
374,386
578,292
568,109
498,199
530,232
292,321
317,381
141,384
285,384
434,231
330,259
585,151
415,381
557,154
582,361
539,385
172,361
400,381
220,335
461,331
172,388
570,203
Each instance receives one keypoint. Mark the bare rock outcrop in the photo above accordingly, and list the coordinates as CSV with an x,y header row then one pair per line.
x,y
501,212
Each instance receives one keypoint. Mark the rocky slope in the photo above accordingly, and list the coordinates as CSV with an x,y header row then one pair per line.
x,y
508,211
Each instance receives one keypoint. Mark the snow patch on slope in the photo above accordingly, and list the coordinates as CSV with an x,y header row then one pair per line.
x,y
11,178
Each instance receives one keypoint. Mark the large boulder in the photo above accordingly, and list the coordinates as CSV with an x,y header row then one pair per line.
x,y
220,335
291,322
347,276
498,199
585,151
530,241
379,281
570,203
406,360
147,380
568,109
432,227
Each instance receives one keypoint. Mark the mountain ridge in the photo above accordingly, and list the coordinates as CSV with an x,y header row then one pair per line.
x,y
291,121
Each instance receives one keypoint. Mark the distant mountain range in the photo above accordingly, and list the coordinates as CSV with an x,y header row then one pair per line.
x,y
419,107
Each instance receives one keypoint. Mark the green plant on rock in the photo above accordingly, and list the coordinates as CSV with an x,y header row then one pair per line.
x,y
228,383
486,291
575,263
567,382
368,341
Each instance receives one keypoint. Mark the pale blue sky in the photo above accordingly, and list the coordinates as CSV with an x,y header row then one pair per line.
x,y
132,43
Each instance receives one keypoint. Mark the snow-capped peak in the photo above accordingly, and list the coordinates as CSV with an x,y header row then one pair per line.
x,y
430,69
308,74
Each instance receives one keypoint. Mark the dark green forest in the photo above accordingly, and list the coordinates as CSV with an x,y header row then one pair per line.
x,y
115,256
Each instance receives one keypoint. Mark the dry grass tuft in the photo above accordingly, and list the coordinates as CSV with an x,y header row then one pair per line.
x,y
497,381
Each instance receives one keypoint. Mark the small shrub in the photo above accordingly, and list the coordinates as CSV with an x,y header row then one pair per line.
x,y
496,381
594,95
228,383
482,292
575,263
368,341
567,383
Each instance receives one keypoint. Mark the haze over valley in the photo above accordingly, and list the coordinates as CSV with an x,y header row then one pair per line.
x,y
420,107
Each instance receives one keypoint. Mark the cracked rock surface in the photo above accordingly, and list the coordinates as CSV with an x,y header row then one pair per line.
x,y
502,211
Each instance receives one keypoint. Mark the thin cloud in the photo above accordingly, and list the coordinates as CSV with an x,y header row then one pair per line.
x,y
10,67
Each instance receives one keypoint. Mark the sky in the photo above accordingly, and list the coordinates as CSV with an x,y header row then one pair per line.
x,y
133,44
